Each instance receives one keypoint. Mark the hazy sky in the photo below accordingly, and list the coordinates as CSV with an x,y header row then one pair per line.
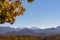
x,y
41,14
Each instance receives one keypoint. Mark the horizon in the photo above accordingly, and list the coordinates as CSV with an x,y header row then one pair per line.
x,y
33,27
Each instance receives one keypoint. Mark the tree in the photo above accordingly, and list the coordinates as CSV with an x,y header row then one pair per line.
x,y
9,10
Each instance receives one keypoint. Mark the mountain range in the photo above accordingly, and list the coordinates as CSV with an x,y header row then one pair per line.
x,y
29,31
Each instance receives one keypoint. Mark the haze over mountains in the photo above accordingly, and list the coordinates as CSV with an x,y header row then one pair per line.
x,y
29,31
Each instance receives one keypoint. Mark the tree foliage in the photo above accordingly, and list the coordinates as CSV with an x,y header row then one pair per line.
x,y
9,10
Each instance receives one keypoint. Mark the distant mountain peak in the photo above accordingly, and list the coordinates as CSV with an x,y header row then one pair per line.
x,y
29,31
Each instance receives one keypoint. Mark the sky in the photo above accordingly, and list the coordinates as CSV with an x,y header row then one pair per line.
x,y
40,14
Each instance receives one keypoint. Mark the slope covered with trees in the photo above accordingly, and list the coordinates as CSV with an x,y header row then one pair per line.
x,y
25,37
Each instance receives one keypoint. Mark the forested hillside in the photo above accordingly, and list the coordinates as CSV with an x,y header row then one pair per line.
x,y
14,37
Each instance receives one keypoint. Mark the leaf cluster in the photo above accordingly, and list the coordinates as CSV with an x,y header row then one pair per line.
x,y
9,10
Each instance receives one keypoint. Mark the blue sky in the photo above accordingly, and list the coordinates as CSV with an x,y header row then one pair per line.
x,y
41,14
